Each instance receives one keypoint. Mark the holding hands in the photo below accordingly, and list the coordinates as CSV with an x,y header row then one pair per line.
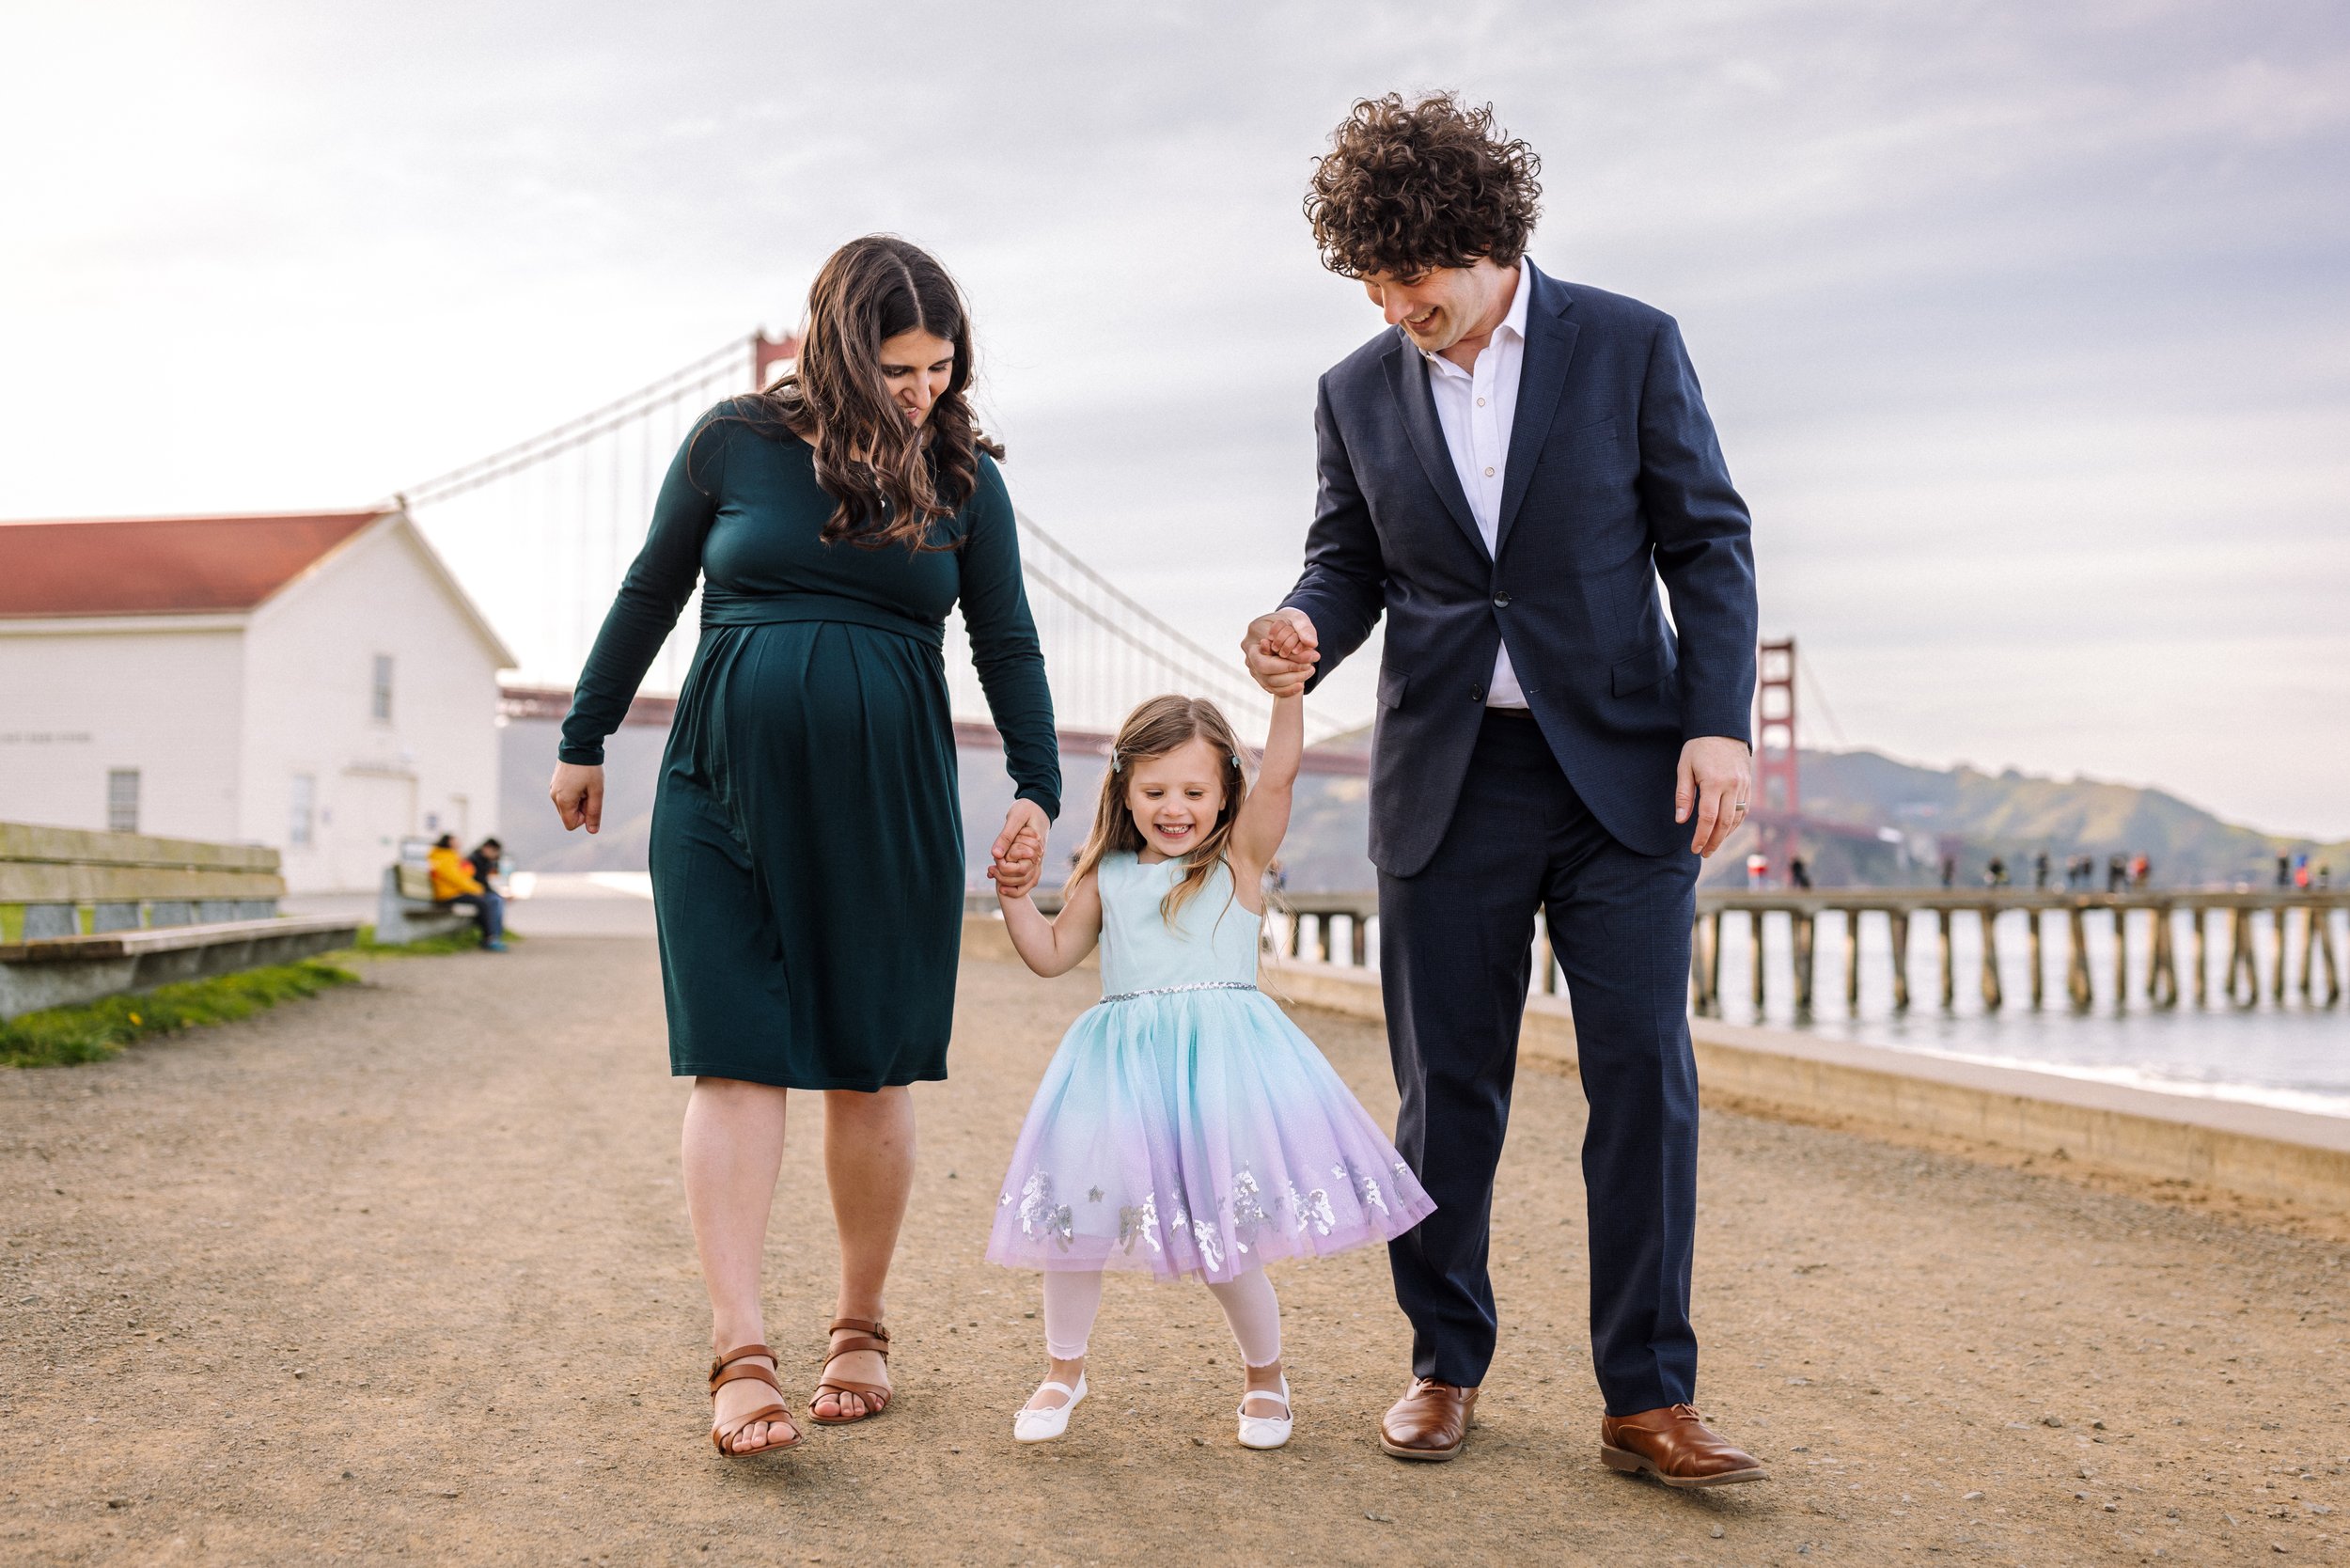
x,y
1282,650
1016,861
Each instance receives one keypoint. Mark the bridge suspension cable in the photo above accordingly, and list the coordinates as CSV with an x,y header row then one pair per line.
x,y
542,531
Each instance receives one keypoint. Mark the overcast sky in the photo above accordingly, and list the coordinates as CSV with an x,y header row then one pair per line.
x,y
2025,326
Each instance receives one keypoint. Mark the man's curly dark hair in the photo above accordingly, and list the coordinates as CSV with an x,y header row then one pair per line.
x,y
1407,186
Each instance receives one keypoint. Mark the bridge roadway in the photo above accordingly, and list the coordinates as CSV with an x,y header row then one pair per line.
x,y
402,1273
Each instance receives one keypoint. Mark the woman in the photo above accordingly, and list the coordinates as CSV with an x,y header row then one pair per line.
x,y
807,852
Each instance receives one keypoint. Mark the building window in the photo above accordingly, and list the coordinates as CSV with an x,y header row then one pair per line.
x,y
380,700
303,812
122,800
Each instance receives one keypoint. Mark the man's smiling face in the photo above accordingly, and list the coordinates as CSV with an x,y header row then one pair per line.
x,y
1438,307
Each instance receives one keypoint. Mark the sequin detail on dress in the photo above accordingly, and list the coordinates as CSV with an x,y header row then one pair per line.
x,y
1178,989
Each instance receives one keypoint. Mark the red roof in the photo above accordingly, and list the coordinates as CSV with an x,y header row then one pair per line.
x,y
163,565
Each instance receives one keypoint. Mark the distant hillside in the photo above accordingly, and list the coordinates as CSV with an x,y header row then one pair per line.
x,y
2015,815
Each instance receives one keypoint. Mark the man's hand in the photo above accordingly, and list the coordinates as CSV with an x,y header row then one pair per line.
x,y
1282,650
1715,780
577,792
1017,861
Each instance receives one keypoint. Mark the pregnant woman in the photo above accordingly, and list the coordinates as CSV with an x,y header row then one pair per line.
x,y
807,847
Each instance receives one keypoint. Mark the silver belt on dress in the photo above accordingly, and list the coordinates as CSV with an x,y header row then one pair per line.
x,y
1170,990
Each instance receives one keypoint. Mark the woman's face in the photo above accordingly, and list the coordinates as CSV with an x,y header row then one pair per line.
x,y
916,367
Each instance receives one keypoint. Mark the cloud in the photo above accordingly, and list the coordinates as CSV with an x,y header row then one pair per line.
x,y
2025,327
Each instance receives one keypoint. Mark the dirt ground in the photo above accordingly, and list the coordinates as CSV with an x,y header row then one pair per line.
x,y
403,1272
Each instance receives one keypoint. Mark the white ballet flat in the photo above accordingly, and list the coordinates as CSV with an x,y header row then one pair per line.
x,y
1265,1432
1042,1426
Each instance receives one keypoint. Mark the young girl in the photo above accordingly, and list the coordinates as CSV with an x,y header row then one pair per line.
x,y
1185,1127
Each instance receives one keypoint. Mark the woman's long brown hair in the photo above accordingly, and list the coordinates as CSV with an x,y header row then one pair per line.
x,y
892,479
1161,725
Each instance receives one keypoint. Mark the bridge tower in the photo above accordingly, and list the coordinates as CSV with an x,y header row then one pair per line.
x,y
1778,798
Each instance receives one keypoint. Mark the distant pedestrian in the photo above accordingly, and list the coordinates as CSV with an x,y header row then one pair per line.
x,y
2040,871
1798,875
2141,869
1994,874
2325,876
2301,872
1950,869
2117,873
2284,871
1758,870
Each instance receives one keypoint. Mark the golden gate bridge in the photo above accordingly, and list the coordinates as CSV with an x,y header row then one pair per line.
x,y
541,532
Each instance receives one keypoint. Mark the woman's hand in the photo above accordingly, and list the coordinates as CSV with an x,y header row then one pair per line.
x,y
1017,857
577,792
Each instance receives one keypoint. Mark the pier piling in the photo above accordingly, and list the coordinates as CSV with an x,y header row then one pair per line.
x,y
1950,977
2121,959
1852,962
2039,975
1992,997
1897,929
2076,969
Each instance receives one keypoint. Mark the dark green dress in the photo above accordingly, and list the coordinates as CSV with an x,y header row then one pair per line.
x,y
806,842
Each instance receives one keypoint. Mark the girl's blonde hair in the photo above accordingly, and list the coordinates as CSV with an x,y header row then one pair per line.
x,y
1160,726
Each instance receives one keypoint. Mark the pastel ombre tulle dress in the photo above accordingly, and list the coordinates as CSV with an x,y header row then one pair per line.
x,y
1185,1126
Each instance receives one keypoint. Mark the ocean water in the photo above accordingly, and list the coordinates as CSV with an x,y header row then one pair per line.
x,y
2295,1054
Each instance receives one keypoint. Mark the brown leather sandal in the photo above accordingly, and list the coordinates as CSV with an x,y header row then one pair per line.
x,y
862,1336
732,1367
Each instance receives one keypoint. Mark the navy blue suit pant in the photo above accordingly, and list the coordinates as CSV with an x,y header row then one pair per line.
x,y
1455,956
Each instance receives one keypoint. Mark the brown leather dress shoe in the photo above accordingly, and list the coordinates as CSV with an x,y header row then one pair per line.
x,y
1430,1421
1675,1446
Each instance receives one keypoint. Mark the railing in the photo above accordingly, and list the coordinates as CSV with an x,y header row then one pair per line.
x,y
2241,911
1335,928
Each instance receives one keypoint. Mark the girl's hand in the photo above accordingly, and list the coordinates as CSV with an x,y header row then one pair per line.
x,y
1017,857
1017,873
577,791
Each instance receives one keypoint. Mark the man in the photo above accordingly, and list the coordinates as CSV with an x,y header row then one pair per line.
x,y
1505,473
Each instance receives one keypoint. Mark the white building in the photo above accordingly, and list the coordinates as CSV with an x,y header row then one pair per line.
x,y
318,682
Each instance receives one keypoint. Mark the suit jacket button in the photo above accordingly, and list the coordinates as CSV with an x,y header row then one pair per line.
x,y
1501,599
1477,694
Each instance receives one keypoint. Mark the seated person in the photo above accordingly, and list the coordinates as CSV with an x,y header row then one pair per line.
x,y
487,858
453,883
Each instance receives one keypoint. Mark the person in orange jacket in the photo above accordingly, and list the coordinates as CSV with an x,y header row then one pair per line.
x,y
452,879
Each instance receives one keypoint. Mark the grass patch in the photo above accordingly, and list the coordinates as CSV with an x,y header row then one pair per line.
x,y
96,1030
467,940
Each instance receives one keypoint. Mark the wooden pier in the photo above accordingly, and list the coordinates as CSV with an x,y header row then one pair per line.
x,y
2310,967
2303,958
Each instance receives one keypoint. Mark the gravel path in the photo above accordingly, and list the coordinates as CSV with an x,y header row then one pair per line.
x,y
403,1272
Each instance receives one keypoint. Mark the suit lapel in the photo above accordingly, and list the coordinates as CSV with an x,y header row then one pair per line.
x,y
1408,377
1549,346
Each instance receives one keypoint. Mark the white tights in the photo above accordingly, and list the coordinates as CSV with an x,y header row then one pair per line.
x,y
1071,1301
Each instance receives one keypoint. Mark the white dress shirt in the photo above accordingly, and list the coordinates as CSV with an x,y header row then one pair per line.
x,y
1476,408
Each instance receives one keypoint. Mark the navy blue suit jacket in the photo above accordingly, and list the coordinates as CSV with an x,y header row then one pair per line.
x,y
1614,481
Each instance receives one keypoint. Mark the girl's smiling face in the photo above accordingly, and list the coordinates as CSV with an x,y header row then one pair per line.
x,y
1177,798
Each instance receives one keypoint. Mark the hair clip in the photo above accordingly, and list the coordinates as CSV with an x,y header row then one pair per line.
x,y
1236,758
1117,761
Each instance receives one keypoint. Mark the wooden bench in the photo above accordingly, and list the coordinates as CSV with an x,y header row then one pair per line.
x,y
405,910
88,914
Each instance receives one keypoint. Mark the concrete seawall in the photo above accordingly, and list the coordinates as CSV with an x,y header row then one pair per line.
x,y
2251,1150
